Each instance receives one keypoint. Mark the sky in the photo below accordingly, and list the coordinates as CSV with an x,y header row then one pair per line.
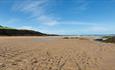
x,y
60,16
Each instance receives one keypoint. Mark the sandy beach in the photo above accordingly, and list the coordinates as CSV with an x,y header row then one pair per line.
x,y
55,53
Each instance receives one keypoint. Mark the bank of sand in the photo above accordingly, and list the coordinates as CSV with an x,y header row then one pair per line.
x,y
46,53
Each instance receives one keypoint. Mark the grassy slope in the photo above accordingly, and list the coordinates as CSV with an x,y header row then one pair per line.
x,y
3,27
7,31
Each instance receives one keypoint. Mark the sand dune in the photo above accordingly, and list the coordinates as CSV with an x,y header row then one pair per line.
x,y
46,53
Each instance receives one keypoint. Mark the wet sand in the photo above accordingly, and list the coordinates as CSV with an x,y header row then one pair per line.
x,y
50,53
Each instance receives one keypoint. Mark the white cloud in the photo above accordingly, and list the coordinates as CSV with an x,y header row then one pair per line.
x,y
36,9
33,7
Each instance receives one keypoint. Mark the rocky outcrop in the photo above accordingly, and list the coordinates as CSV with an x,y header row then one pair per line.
x,y
107,39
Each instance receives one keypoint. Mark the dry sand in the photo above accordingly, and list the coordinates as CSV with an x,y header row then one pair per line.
x,y
46,53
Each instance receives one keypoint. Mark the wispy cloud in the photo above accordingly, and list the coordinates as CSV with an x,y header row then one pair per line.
x,y
98,29
77,23
35,8
47,20
27,27
112,0
12,21
81,6
9,21
38,10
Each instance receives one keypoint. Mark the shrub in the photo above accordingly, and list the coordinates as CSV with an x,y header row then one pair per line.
x,y
66,38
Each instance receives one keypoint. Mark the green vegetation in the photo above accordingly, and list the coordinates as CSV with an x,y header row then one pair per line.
x,y
66,38
80,38
3,27
110,39
107,39
7,31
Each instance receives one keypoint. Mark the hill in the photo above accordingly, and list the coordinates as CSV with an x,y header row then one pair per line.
x,y
7,31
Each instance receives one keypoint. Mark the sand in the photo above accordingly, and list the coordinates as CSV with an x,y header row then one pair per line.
x,y
50,53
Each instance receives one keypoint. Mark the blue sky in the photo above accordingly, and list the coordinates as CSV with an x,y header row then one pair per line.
x,y
60,16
